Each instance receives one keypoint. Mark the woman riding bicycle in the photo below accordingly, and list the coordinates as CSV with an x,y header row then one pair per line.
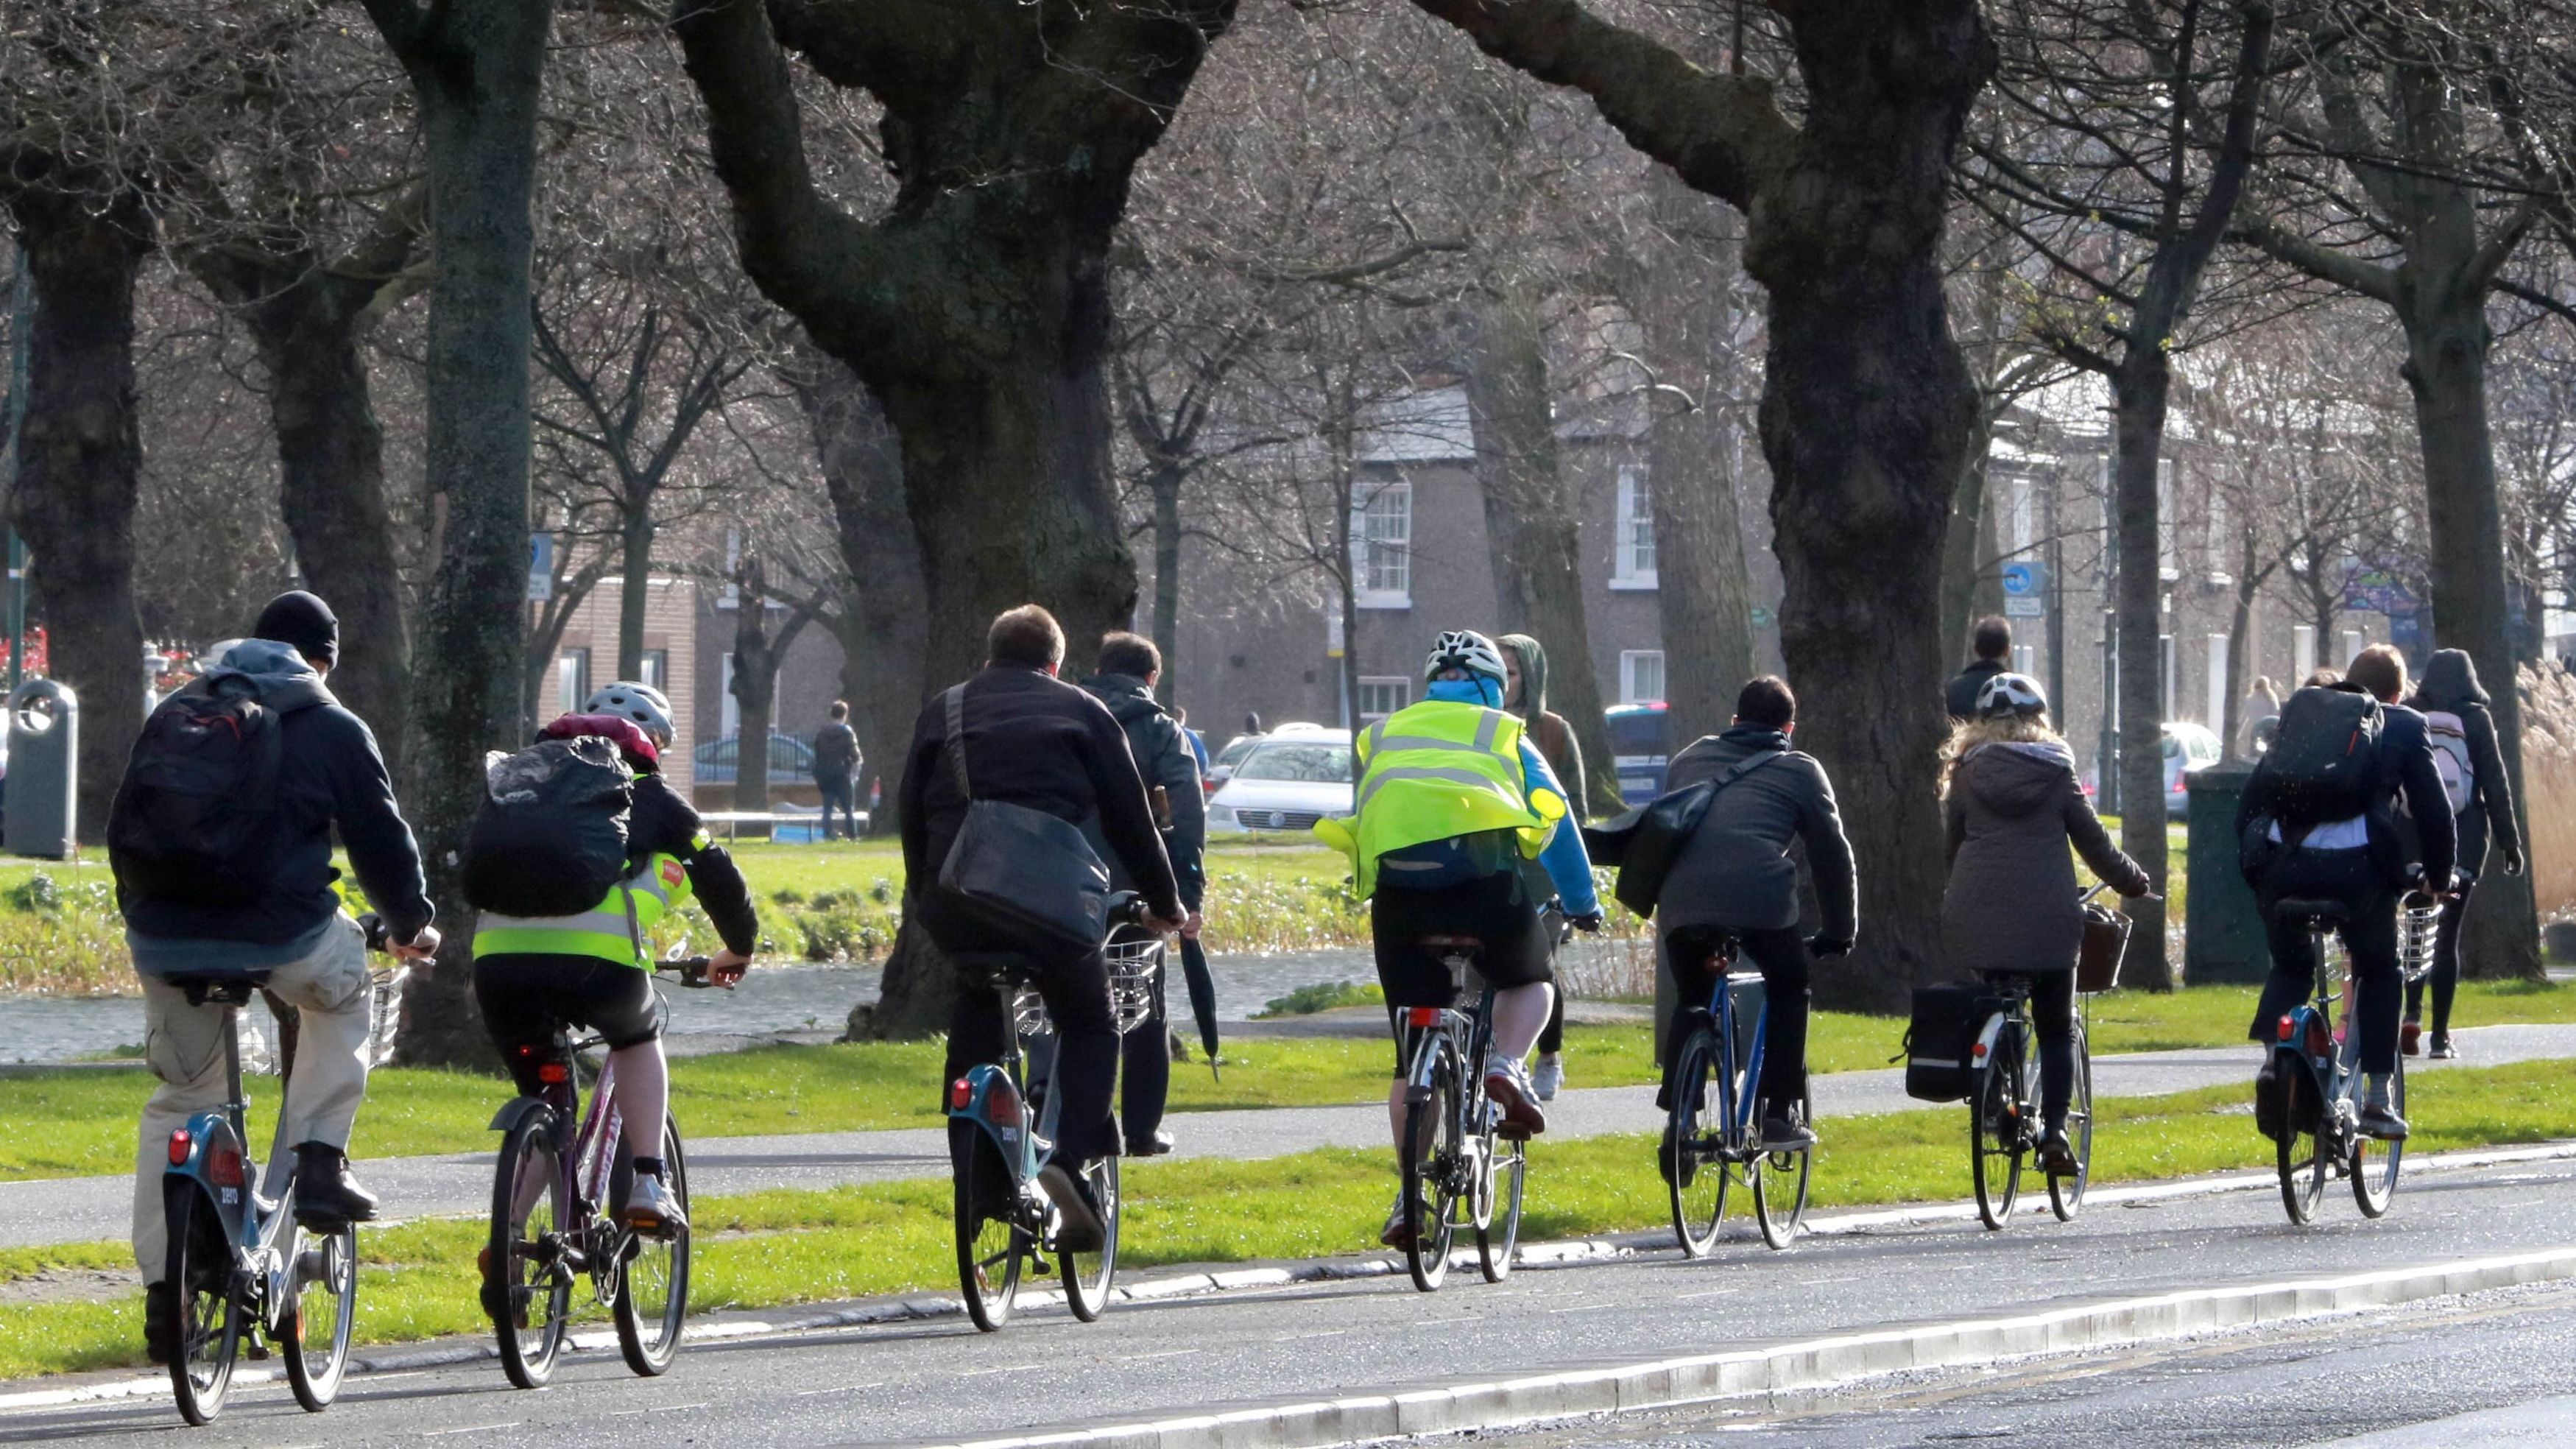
x,y
2013,806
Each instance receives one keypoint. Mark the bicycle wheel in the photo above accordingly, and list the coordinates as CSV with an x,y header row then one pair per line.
x,y
320,1313
1500,1235
1087,1275
2300,1154
2066,1194
527,1284
2375,1182
1693,1181
207,1301
1434,1144
1777,1205
1995,1136
653,1279
990,1244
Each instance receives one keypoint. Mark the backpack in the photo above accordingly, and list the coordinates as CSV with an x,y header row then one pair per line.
x,y
2324,761
2451,759
195,819
1941,1041
836,751
551,838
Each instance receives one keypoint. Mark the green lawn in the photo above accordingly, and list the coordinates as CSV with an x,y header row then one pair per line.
x,y
773,1248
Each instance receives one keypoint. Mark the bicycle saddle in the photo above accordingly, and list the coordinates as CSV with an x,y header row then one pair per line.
x,y
229,989
1450,943
2300,908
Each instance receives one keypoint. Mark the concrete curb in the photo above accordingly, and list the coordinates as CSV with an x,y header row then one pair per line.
x,y
1804,1364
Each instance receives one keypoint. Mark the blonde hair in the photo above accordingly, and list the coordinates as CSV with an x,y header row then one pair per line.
x,y
2010,729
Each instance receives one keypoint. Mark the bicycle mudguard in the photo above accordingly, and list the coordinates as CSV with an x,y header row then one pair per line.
x,y
985,1097
1982,1055
214,1161
515,1111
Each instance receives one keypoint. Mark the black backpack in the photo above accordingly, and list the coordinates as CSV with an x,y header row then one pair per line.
x,y
195,819
2324,759
551,839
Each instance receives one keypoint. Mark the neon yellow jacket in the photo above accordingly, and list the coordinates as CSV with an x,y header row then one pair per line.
x,y
1433,771
619,928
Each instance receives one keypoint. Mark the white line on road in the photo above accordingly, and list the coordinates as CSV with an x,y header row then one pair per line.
x,y
470,1429
1706,1293
843,1389
1166,1353
1587,1307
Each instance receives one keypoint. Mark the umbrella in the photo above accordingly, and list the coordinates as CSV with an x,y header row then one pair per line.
x,y
1194,968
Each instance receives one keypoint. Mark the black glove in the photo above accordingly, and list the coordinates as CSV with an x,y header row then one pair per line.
x,y
1590,923
1828,945
2513,861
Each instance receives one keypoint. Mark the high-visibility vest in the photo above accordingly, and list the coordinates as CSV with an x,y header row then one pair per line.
x,y
1437,770
618,929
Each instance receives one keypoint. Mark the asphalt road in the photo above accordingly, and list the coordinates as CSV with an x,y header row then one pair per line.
x,y
937,1379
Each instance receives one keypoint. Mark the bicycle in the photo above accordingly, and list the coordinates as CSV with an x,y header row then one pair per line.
x,y
1722,1044
240,1266
2317,1069
2004,1119
1004,1223
551,1193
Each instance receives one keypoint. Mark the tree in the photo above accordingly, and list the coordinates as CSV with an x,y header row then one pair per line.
x,y
757,652
1867,407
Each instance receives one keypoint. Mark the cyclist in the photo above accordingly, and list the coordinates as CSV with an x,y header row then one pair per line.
x,y
1734,877
2013,807
2312,830
1453,802
1525,694
284,922
536,975
2454,706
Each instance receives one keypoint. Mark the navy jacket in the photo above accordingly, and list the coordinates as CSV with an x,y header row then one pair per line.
x,y
2404,770
1163,757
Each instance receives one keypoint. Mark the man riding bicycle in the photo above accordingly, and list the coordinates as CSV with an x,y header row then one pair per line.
x,y
1454,803
536,975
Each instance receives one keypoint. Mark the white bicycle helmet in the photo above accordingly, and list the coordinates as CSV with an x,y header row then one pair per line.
x,y
1468,650
2010,694
642,703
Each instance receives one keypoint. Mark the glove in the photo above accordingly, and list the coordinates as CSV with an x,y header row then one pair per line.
x,y
1828,945
2513,861
1589,923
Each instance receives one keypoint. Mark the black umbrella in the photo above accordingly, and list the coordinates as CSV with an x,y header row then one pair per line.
x,y
1194,969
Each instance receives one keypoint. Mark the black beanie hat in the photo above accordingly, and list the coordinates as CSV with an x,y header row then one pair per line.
x,y
298,618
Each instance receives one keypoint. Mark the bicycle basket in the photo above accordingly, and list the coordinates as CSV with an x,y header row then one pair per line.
x,y
2415,927
1135,980
384,1012
2106,936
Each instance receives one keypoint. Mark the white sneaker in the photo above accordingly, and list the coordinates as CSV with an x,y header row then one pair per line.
x,y
1507,1086
1549,1076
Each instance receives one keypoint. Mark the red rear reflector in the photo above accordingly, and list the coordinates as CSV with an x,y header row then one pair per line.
x,y
1002,1108
179,1146
224,1165
1422,1016
2286,1028
552,1074
960,1092
1979,1050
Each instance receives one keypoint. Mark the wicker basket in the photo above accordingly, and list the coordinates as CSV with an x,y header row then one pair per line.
x,y
2097,961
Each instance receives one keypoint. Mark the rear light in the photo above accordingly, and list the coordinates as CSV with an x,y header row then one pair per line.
x,y
960,1092
1978,1051
224,1165
2287,1028
1002,1108
180,1145
553,1074
1422,1016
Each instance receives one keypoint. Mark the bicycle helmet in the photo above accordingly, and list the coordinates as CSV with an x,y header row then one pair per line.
x,y
617,729
1468,650
2011,694
642,703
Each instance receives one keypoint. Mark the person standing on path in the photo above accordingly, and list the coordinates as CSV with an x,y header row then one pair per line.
x,y
1525,694
1129,667
836,770
2463,732
1992,639
2261,713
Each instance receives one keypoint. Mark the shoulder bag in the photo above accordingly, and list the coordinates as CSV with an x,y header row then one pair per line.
x,y
1032,872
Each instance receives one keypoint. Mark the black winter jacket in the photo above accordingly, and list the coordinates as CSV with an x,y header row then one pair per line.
x,y
2011,903
661,823
2404,770
1735,871
1962,694
1163,757
2451,683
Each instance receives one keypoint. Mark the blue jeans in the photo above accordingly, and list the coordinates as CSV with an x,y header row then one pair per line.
x,y
841,792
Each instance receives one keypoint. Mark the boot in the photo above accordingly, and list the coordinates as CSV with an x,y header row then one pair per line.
x,y
326,1196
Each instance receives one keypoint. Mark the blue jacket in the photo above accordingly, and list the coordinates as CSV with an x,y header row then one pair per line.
x,y
1569,869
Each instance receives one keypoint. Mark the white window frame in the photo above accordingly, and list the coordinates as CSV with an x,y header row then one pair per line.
x,y
1632,543
1402,685
1633,667
1382,544
2168,525
729,711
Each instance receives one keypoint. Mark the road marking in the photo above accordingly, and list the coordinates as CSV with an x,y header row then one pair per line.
x,y
1587,1308
657,1409
844,1389
1327,1333
470,1429
1436,1322
1166,1353
1709,1293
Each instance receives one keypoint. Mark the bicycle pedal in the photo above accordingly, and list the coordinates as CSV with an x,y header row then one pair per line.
x,y
1040,1267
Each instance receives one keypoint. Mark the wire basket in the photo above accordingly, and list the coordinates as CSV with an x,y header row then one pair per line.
x,y
1135,984
384,1012
2415,928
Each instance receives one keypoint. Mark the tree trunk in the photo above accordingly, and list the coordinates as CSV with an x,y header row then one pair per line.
x,y
1702,604
2138,426
1530,523
1964,546
635,556
476,65
1163,480
918,995
80,459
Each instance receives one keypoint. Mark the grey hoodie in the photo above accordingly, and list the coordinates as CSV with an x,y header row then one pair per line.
x,y
2011,903
333,776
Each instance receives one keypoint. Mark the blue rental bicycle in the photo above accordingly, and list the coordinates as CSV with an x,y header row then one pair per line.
x,y
2318,1066
243,1272
1713,1121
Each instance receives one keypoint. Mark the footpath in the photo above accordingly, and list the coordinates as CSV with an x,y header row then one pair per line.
x,y
89,1209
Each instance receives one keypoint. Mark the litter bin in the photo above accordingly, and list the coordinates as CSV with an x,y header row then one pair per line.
x,y
2222,927
44,770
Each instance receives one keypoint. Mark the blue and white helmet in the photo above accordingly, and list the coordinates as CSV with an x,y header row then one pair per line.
x,y
1468,650
2011,694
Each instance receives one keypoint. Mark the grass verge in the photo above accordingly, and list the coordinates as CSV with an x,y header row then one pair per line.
x,y
776,1248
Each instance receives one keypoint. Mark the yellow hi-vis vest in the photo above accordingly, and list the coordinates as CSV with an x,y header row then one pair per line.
x,y
1436,770
619,928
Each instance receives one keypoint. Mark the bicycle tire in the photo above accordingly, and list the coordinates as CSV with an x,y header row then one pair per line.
x,y
315,1328
1687,1170
207,1304
1500,1236
527,1286
653,1276
2302,1169
1780,1224
1087,1294
2373,1189
989,1249
2066,1194
1434,1139
1994,1135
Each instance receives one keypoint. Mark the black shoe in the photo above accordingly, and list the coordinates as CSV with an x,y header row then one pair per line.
x,y
2267,1097
2057,1155
1159,1144
2443,1050
2410,1037
326,1196
1687,1167
1783,1132
157,1306
1082,1229
2380,1121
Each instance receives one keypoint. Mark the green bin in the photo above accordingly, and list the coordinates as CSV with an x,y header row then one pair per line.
x,y
2222,928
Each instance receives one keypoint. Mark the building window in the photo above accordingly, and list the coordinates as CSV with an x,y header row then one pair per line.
x,y
1382,545
1641,675
1382,697
1632,564
729,717
657,670
572,678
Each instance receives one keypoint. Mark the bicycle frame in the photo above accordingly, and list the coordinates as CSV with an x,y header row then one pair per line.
x,y
994,1098
211,1154
2307,1034
583,1166
1735,1094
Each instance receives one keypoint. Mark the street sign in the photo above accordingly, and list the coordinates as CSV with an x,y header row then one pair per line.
x,y
2021,580
2020,606
541,567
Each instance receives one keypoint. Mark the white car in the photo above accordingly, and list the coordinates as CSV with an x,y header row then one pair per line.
x,y
1287,783
2189,749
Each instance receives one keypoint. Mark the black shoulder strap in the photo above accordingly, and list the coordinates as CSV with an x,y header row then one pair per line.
x,y
1744,767
957,738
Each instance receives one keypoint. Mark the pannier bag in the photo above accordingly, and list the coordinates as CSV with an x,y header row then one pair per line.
x,y
2106,936
551,839
1939,1043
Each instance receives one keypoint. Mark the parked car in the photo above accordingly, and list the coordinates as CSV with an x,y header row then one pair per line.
x,y
1222,766
1286,781
2189,749
791,757
1640,745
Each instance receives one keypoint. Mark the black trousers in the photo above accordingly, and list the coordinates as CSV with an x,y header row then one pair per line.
x,y
1781,957
2052,1020
1551,1038
1076,991
2445,975
2369,936
1145,1078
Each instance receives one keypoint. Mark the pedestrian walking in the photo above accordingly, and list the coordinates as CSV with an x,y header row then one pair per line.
x,y
2463,735
836,770
1992,641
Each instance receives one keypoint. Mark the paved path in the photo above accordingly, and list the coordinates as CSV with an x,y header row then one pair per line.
x,y
86,1209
